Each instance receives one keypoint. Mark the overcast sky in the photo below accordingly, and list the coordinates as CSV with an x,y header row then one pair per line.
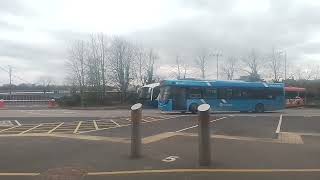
x,y
35,34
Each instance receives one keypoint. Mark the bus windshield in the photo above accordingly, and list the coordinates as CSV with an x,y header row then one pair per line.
x,y
144,93
164,93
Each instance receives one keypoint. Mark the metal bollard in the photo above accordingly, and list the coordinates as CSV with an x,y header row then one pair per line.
x,y
204,135
136,115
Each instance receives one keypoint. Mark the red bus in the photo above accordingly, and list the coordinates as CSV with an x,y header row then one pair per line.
x,y
295,96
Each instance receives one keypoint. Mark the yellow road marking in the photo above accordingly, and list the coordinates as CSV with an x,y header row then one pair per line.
x,y
180,171
77,128
19,174
201,171
95,124
49,132
30,129
8,128
71,136
158,137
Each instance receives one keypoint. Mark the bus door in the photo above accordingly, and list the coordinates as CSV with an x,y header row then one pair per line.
x,y
240,100
179,99
224,101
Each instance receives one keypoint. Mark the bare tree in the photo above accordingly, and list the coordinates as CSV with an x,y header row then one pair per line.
x,y
181,68
252,65
76,66
275,65
152,56
46,82
229,67
121,59
97,55
145,61
201,60
316,72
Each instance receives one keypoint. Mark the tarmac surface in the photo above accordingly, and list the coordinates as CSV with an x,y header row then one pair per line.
x,y
279,145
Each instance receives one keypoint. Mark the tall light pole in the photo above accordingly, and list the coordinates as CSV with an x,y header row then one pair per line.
x,y
10,80
217,55
285,63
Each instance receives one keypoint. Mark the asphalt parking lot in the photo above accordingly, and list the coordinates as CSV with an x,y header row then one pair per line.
x,y
270,145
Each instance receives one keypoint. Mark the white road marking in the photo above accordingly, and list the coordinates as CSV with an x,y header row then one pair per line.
x,y
115,122
17,122
170,158
145,120
77,128
30,129
279,125
162,117
218,119
198,125
49,132
187,128
95,124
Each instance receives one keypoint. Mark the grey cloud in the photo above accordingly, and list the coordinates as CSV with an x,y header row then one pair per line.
x,y
284,26
29,52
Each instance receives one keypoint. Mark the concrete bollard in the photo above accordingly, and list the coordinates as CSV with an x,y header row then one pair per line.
x,y
204,135
136,115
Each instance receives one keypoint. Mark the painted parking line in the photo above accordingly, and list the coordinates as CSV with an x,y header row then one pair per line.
x,y
144,120
77,128
191,127
3,130
66,128
95,124
17,122
115,123
86,126
278,127
49,132
30,129
44,128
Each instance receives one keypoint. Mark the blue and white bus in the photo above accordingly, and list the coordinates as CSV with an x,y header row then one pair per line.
x,y
148,94
187,95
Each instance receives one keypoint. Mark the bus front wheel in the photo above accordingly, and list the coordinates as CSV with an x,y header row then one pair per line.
x,y
193,108
259,108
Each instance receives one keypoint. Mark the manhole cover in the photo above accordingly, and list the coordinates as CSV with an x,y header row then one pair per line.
x,y
66,173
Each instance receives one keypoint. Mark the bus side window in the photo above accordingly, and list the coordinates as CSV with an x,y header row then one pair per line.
x,y
224,93
194,93
210,93
236,93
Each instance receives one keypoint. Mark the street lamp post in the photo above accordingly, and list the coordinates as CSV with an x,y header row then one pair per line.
x,y
285,65
217,55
